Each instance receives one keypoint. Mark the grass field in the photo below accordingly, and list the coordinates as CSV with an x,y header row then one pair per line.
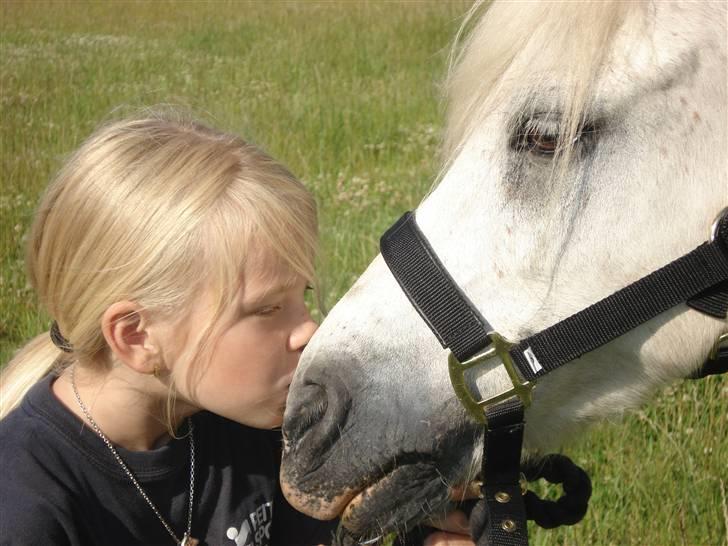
x,y
347,95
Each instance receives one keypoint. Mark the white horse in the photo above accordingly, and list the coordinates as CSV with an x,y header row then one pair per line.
x,y
587,148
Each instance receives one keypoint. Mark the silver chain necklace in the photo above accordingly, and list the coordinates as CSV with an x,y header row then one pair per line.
x,y
187,540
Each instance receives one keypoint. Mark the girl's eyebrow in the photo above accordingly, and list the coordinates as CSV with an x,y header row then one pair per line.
x,y
272,291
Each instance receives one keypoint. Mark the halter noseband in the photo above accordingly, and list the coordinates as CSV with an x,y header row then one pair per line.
x,y
699,279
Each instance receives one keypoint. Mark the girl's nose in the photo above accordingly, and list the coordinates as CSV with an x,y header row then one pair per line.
x,y
303,333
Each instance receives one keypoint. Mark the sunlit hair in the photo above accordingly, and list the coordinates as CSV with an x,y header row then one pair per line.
x,y
147,210
560,49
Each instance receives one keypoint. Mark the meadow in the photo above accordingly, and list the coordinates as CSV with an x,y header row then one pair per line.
x,y
348,95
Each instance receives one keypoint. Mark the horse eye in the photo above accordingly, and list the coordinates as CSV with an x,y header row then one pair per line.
x,y
542,137
538,136
540,143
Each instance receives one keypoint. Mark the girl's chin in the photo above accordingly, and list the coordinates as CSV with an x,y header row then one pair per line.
x,y
263,415
268,418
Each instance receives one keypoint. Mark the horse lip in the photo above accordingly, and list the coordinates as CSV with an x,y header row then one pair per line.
x,y
358,498
326,507
319,492
372,508
316,507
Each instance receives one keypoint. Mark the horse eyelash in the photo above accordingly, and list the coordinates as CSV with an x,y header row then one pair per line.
x,y
547,129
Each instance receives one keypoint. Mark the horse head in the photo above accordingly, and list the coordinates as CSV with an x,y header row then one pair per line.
x,y
586,147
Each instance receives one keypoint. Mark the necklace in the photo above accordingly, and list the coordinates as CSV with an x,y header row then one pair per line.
x,y
187,540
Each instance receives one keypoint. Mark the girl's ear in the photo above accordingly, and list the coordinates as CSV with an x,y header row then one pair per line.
x,y
126,332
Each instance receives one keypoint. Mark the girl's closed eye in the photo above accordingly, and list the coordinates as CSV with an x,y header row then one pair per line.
x,y
267,310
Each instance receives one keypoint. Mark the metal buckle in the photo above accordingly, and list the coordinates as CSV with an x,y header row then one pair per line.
x,y
499,349
716,222
720,344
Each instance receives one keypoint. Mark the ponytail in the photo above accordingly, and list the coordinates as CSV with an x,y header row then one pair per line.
x,y
30,364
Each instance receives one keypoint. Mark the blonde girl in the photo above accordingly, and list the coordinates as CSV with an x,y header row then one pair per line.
x,y
173,259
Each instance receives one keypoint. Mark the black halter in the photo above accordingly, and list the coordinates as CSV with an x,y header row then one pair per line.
x,y
699,278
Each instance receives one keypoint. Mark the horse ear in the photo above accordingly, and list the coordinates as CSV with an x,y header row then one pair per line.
x,y
126,332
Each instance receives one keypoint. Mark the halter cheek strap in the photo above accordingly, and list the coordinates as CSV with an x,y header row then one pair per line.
x,y
699,278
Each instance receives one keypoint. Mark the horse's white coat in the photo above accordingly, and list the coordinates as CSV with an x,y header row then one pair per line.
x,y
646,195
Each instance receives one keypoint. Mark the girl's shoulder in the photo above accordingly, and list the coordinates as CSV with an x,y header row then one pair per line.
x,y
33,508
38,440
33,421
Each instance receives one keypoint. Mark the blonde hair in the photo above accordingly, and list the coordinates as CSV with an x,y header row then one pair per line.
x,y
145,210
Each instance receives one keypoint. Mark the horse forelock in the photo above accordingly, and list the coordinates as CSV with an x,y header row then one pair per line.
x,y
519,56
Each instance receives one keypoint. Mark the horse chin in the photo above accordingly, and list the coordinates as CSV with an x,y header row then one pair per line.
x,y
401,499
379,509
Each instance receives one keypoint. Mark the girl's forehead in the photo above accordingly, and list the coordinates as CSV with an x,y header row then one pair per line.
x,y
262,260
267,270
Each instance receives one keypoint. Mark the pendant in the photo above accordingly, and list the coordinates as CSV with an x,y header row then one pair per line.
x,y
187,540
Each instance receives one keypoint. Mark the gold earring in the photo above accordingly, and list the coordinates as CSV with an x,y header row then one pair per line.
x,y
155,371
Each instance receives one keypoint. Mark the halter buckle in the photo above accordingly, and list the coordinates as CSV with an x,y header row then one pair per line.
x,y
721,344
716,224
499,349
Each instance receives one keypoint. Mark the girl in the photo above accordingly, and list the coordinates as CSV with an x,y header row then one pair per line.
x,y
173,259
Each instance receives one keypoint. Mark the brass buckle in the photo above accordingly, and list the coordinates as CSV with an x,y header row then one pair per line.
x,y
721,343
716,222
499,349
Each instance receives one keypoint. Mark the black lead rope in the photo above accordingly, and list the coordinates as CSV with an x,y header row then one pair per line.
x,y
571,507
502,511
699,278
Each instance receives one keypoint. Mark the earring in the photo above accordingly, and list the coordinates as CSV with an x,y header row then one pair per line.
x,y
155,371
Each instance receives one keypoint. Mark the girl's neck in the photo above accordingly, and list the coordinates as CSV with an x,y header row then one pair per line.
x,y
128,407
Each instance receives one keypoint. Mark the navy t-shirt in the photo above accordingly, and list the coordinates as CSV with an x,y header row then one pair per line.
x,y
60,484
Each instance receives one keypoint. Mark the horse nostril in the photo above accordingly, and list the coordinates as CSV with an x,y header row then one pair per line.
x,y
305,408
316,411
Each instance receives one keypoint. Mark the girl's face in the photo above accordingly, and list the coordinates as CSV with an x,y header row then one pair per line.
x,y
255,351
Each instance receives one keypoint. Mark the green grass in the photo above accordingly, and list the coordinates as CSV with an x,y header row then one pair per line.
x,y
347,95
